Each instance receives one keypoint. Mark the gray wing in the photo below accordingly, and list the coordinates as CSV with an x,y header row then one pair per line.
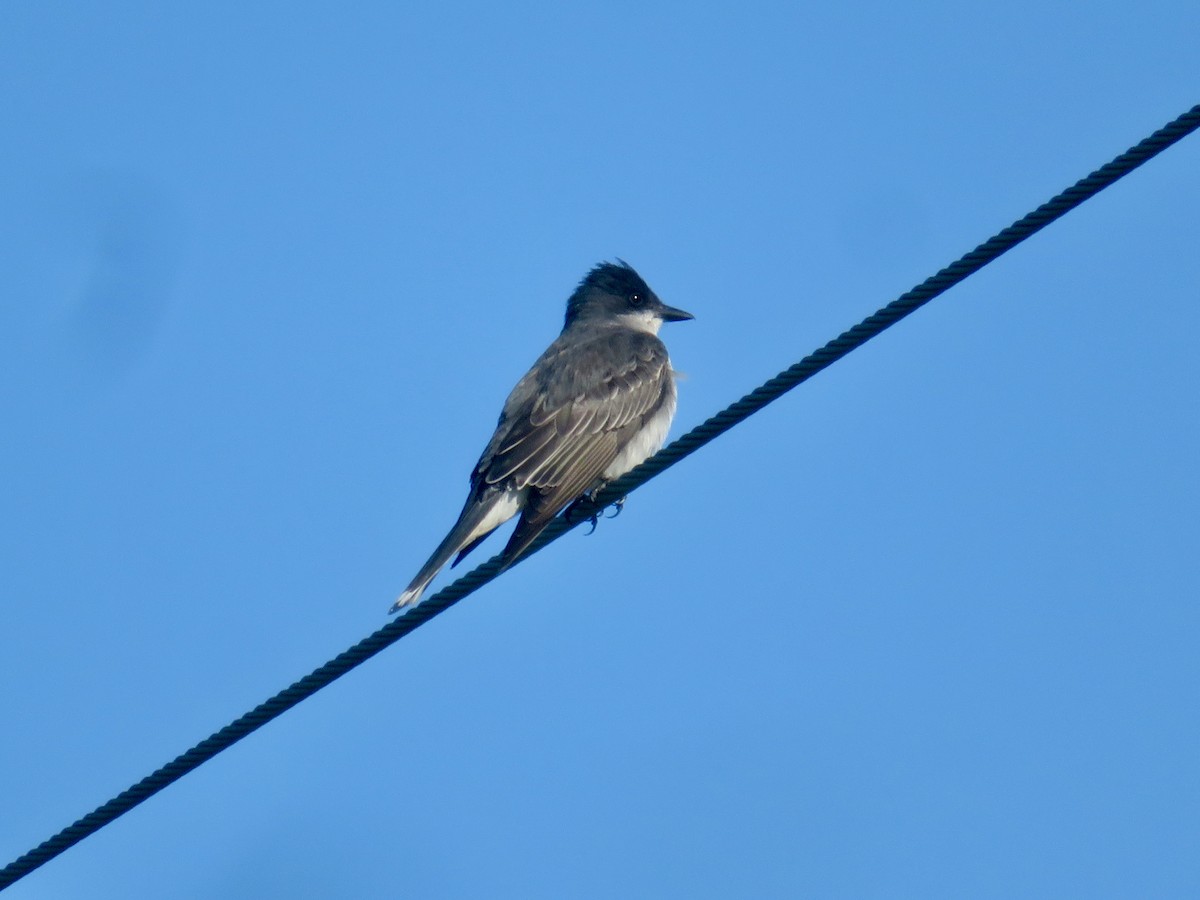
x,y
567,420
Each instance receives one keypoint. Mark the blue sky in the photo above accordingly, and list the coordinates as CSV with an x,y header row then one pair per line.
x,y
927,627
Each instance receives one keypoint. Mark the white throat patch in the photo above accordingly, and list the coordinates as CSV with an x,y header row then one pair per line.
x,y
640,321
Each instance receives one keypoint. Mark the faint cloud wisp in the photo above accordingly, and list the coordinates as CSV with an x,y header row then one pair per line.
x,y
132,235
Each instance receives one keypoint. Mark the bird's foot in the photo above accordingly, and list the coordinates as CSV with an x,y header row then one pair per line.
x,y
617,506
585,510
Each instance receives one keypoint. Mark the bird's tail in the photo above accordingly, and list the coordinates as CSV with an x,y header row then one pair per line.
x,y
477,521
411,594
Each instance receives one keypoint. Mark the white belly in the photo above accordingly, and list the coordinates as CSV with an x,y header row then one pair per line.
x,y
646,442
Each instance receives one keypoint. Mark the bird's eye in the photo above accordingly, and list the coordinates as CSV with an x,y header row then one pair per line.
x,y
635,299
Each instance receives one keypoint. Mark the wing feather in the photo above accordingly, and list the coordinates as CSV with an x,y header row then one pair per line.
x,y
522,453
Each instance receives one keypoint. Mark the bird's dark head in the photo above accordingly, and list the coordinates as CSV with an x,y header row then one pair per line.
x,y
614,292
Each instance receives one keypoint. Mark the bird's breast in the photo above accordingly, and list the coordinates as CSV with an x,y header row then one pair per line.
x,y
648,440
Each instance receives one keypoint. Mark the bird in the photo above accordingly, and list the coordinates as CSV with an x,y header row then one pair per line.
x,y
598,402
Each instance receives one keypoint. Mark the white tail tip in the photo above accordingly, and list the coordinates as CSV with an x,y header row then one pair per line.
x,y
408,598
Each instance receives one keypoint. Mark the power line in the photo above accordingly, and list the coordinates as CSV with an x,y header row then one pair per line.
x,y
843,344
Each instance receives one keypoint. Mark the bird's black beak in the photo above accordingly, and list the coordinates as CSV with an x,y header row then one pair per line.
x,y
671,314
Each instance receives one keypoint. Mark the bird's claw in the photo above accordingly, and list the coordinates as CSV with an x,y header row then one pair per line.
x,y
617,506
594,518
583,510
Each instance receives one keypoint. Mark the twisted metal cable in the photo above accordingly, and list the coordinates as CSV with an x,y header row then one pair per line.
x,y
718,424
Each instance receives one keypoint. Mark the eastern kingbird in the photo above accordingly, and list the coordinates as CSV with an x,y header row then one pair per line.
x,y
597,403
